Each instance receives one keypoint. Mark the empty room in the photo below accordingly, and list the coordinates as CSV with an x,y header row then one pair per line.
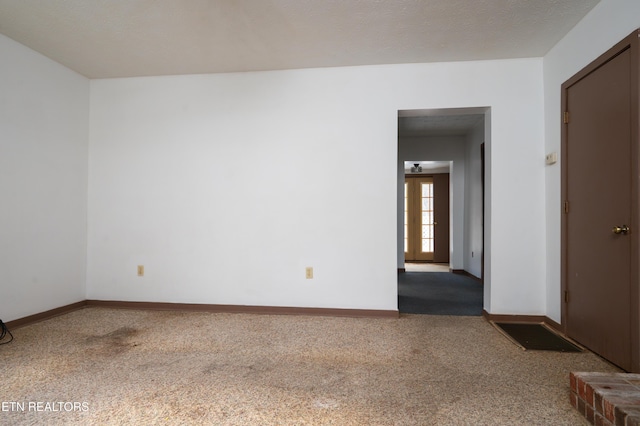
x,y
202,216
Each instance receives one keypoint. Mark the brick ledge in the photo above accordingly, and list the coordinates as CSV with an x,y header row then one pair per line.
x,y
607,399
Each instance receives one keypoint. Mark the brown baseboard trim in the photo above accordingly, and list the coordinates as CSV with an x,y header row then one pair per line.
x,y
523,318
240,309
21,322
197,307
465,273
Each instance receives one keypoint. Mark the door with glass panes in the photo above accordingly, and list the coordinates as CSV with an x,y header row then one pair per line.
x,y
426,218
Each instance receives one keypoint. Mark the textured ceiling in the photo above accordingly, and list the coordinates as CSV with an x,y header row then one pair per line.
x,y
121,38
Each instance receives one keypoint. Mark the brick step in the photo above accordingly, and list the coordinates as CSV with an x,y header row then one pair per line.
x,y
607,399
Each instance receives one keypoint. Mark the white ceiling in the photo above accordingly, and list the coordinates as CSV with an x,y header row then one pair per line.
x,y
428,166
438,125
123,38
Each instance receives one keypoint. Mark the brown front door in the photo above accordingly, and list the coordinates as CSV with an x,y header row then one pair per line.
x,y
598,152
427,218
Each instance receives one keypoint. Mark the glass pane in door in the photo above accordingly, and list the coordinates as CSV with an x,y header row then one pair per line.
x,y
426,204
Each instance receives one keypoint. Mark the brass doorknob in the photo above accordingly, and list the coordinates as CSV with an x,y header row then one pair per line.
x,y
624,229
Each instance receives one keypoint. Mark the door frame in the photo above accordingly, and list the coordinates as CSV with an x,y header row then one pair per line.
x,y
482,183
632,43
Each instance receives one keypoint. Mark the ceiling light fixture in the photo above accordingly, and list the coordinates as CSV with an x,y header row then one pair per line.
x,y
417,168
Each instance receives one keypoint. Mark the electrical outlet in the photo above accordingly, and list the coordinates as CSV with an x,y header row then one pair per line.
x,y
141,270
309,272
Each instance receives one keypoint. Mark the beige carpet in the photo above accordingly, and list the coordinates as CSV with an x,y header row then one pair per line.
x,y
143,367
426,267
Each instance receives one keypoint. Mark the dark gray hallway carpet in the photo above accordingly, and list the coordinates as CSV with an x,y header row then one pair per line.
x,y
439,293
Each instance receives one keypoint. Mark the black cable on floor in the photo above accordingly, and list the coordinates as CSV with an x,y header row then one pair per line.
x,y
3,333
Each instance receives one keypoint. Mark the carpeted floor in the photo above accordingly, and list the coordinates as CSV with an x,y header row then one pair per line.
x,y
150,367
439,293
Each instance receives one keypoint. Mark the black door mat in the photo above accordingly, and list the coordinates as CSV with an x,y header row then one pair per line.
x,y
536,337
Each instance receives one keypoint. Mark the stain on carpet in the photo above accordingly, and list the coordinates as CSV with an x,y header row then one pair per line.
x,y
113,343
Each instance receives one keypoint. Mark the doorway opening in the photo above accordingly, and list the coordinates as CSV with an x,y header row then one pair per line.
x,y
441,211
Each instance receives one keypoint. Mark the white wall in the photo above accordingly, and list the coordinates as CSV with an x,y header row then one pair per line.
x,y
436,149
169,188
226,186
44,116
473,201
608,23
